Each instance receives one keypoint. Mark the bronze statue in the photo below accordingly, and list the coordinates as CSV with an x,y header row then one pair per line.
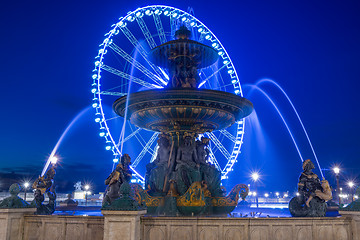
x,y
187,169
312,194
121,174
42,185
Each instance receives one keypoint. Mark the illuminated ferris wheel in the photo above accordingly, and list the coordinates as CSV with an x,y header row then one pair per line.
x,y
122,66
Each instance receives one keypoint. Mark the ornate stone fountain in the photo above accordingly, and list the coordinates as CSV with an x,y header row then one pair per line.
x,y
181,180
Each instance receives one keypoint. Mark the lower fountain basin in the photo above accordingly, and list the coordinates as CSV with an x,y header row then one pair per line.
x,y
196,110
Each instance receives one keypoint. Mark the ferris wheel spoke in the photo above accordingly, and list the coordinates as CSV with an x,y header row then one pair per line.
x,y
228,135
146,32
109,119
159,28
212,75
136,64
219,145
130,136
145,150
112,93
213,160
142,51
129,77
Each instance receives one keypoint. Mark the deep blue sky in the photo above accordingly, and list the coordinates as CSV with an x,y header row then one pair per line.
x,y
311,48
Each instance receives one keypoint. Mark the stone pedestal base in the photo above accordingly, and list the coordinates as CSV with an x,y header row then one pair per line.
x,y
124,225
12,222
355,222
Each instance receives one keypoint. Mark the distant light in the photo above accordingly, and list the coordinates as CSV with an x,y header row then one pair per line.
x,y
214,45
351,184
266,195
115,160
166,13
102,134
97,63
175,14
297,194
240,132
133,180
233,81
254,194
277,194
336,170
183,19
26,184
225,62
221,53
230,71
192,24
255,176
94,76
286,195
237,91
130,18
200,30
108,147
87,187
207,37
53,160
97,119
157,12
250,193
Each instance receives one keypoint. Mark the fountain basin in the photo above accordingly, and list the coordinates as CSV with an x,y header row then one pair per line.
x,y
183,109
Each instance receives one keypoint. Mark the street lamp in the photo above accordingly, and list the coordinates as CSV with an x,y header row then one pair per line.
x,y
255,176
26,185
351,185
337,171
87,187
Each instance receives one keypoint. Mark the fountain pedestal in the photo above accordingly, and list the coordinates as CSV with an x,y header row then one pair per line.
x,y
124,225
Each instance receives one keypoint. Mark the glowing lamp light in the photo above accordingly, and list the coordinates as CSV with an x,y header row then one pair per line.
x,y
254,194
277,194
53,160
97,119
351,184
122,24
237,91
139,14
221,53
230,71
157,12
286,195
297,194
207,37
200,30
233,81
175,14
183,19
266,195
336,170
102,134
192,24
108,147
93,90
166,13
87,187
255,176
214,45
94,76
148,12
115,160
26,184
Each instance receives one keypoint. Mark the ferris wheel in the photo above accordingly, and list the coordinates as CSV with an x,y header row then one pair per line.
x,y
122,66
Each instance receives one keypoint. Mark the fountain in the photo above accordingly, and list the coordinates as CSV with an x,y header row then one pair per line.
x,y
182,112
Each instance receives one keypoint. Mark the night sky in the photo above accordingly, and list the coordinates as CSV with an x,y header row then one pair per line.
x,y
310,48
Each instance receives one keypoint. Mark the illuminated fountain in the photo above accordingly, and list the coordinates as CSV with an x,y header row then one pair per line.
x,y
182,179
